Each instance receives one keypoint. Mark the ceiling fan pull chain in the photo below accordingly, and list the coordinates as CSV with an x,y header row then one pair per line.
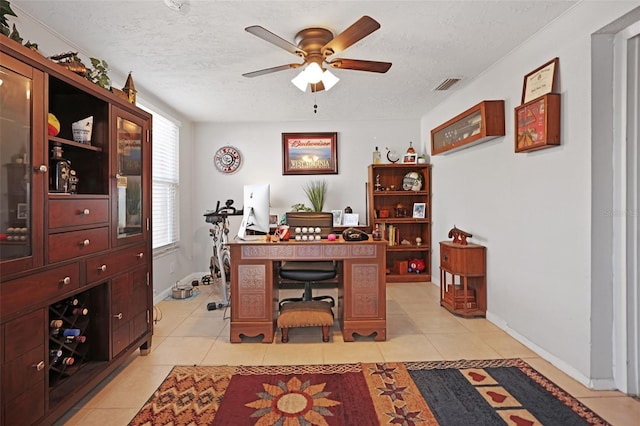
x,y
315,101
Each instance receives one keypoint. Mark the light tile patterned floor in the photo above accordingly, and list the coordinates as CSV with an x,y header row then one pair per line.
x,y
417,329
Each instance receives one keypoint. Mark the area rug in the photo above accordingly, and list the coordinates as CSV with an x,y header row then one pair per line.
x,y
482,392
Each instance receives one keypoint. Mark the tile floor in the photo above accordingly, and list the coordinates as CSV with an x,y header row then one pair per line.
x,y
417,329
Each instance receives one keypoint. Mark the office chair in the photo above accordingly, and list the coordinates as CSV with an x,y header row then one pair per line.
x,y
309,272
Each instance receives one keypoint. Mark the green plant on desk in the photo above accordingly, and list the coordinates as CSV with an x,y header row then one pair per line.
x,y
316,191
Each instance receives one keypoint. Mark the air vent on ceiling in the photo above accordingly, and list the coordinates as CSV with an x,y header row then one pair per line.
x,y
447,83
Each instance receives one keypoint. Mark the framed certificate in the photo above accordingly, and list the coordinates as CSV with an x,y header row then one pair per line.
x,y
540,81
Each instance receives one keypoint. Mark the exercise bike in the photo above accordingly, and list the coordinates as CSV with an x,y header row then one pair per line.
x,y
220,261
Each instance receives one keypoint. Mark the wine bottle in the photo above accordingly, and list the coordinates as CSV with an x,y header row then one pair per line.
x,y
67,360
76,339
61,305
80,311
56,323
71,332
377,156
65,332
59,176
53,353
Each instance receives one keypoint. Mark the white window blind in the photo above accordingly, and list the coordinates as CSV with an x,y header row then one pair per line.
x,y
165,180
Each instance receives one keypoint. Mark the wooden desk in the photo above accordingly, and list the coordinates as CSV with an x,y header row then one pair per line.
x,y
254,285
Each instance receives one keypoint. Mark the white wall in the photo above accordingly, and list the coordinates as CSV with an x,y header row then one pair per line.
x,y
532,211
260,145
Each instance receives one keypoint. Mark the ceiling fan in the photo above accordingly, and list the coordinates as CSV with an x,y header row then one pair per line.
x,y
316,46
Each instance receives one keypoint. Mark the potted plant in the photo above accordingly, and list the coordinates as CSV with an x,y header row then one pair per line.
x,y
98,73
316,191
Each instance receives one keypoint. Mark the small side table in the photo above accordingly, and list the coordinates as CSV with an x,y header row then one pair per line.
x,y
465,293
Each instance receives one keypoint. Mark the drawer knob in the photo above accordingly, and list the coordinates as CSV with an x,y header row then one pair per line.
x,y
86,212
66,280
102,268
446,257
84,243
41,168
119,316
140,255
39,366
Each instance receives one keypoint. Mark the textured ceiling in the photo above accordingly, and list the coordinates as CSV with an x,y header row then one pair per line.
x,y
193,59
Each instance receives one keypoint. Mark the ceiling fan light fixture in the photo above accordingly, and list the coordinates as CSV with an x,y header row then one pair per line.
x,y
329,80
300,81
313,71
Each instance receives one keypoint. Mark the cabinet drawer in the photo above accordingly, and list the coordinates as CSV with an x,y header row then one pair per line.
x,y
77,212
68,245
463,259
24,292
103,266
446,257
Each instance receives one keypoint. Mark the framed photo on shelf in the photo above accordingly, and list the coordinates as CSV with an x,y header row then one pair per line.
x,y
22,212
540,81
419,210
410,158
351,219
337,217
310,153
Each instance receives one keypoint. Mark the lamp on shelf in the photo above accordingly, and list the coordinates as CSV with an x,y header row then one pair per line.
x,y
313,74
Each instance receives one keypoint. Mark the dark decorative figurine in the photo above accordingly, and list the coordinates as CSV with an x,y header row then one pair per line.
x,y
459,236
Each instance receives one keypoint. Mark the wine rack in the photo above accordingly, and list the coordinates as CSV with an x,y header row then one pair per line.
x,y
78,345
69,331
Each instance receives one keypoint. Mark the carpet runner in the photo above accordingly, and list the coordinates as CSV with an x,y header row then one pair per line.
x,y
481,392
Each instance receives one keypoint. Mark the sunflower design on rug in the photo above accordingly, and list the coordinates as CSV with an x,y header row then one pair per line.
x,y
292,403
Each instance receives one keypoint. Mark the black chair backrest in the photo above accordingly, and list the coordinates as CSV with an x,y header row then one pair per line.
x,y
323,220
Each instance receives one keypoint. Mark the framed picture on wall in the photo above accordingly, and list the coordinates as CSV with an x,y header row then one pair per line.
x,y
309,153
540,81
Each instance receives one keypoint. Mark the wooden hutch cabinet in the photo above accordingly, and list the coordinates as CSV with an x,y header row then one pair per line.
x,y
392,197
75,248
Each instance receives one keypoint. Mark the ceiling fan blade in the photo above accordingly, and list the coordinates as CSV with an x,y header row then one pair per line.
x,y
359,65
356,32
317,87
270,70
267,35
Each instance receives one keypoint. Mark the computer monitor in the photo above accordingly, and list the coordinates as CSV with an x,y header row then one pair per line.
x,y
256,211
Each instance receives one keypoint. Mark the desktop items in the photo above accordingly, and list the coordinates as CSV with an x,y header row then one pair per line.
x,y
353,234
256,212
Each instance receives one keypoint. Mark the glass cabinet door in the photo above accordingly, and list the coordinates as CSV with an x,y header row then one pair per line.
x,y
131,159
21,120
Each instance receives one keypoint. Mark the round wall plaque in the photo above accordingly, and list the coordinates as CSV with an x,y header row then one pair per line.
x,y
227,159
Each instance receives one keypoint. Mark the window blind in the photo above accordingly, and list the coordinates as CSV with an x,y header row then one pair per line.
x,y
165,180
